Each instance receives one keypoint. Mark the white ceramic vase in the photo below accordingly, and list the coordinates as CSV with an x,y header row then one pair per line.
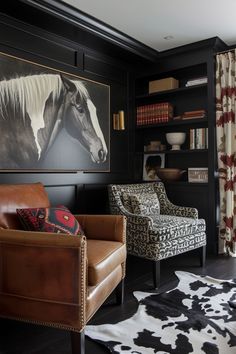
x,y
175,139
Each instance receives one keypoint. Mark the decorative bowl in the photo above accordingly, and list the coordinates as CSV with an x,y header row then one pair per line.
x,y
170,174
175,139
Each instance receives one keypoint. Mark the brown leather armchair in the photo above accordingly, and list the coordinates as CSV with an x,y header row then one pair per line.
x,y
54,279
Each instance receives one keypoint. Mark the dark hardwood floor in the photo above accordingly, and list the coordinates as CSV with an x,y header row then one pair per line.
x,y
22,338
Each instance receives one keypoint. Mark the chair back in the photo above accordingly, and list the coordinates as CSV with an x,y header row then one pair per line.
x,y
115,192
14,196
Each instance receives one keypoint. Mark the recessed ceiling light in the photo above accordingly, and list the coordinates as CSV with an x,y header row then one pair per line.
x,y
167,38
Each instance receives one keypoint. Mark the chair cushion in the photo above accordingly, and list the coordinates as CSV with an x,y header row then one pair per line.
x,y
168,227
57,220
145,204
103,258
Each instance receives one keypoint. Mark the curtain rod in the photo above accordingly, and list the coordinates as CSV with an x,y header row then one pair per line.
x,y
225,51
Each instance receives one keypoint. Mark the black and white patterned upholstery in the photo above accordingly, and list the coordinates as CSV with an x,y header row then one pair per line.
x,y
144,204
159,232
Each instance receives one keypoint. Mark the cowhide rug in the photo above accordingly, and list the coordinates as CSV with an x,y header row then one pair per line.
x,y
195,317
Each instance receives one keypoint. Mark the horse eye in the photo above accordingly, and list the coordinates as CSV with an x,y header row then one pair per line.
x,y
80,109
78,105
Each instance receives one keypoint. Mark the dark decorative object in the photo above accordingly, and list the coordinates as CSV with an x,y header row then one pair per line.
x,y
51,120
170,174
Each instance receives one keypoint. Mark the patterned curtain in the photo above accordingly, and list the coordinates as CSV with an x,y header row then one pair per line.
x,y
226,149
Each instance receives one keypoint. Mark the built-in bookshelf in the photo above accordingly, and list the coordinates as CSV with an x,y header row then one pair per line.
x,y
193,114
188,114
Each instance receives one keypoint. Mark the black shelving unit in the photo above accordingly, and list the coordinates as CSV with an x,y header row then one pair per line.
x,y
185,157
184,67
175,123
187,184
172,151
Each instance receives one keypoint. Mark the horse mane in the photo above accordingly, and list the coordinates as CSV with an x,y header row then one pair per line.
x,y
81,88
28,94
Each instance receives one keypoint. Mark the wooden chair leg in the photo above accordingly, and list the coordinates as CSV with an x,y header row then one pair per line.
x,y
203,256
120,292
156,274
78,342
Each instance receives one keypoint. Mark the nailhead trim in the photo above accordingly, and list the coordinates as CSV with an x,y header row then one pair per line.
x,y
83,284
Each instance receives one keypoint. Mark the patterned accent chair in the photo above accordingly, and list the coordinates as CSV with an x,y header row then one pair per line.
x,y
156,228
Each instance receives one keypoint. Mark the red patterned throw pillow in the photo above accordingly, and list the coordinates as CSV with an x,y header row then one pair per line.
x,y
56,219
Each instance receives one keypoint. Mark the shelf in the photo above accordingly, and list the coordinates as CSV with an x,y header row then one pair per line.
x,y
187,184
170,92
177,183
173,152
174,123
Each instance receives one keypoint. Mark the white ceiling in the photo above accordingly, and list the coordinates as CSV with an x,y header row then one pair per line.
x,y
149,21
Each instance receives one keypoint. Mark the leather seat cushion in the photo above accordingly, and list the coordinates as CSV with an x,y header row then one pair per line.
x,y
103,258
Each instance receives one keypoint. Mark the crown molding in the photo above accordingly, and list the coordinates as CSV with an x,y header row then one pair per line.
x,y
94,26
212,43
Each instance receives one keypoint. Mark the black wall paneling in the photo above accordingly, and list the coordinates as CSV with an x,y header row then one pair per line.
x,y
40,45
92,199
104,69
74,52
63,195
61,19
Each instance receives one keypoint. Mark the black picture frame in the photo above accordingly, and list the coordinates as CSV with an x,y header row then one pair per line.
x,y
51,120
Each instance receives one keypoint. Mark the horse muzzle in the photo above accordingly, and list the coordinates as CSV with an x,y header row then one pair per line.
x,y
100,156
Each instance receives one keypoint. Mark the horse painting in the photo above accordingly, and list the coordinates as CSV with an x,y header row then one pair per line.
x,y
35,108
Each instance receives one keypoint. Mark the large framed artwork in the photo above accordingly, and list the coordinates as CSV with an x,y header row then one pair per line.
x,y
52,120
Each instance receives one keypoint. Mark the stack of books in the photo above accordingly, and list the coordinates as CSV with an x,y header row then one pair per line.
x,y
198,138
198,81
154,113
201,113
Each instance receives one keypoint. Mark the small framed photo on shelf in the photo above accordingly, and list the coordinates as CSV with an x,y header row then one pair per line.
x,y
151,163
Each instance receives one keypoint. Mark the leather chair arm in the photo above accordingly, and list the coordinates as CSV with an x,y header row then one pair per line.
x,y
45,276
104,227
39,238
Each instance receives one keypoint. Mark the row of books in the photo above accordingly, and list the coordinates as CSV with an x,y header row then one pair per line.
x,y
154,113
201,113
198,81
198,138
